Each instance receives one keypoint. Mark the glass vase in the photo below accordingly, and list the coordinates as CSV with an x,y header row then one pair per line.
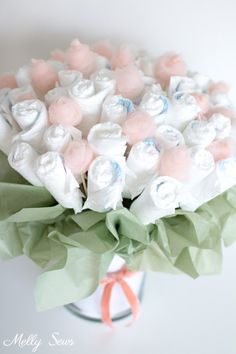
x,y
90,307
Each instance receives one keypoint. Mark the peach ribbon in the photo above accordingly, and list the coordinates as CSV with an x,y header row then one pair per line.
x,y
109,281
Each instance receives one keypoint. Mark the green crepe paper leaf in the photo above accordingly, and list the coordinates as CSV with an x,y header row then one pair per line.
x,y
98,239
194,261
196,229
37,214
152,258
7,174
76,250
77,279
31,239
11,241
123,222
224,208
14,197
229,230
88,218
127,247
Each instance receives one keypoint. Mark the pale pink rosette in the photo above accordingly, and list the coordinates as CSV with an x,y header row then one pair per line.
x,y
80,57
222,149
138,126
218,87
129,81
202,101
8,81
65,111
78,156
58,55
167,65
175,163
43,76
122,57
103,48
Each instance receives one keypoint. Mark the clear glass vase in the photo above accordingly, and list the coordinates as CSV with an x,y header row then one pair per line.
x,y
90,307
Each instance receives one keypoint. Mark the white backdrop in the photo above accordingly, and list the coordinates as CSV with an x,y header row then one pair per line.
x,y
179,315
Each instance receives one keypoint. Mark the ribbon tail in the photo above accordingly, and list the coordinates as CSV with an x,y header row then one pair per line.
x,y
132,299
105,304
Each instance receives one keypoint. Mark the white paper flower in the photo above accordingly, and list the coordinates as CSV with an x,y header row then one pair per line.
x,y
54,94
105,183
104,79
222,125
155,104
184,108
69,77
22,158
21,94
90,102
199,132
218,181
59,181
115,109
31,115
57,137
168,137
159,199
22,76
107,139
202,81
6,134
181,84
142,164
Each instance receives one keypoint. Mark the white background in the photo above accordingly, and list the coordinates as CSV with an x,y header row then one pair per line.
x,y
179,315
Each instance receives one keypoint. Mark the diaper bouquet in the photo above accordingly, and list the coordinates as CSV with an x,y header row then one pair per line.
x,y
108,151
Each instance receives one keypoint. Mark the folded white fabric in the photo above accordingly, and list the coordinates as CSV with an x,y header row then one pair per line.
x,y
168,137
90,102
6,134
58,136
115,109
222,125
21,93
31,115
107,139
6,109
104,79
59,180
68,77
155,104
22,76
199,132
142,164
54,94
105,183
22,158
218,99
202,81
159,199
182,110
5,103
218,181
203,166
181,84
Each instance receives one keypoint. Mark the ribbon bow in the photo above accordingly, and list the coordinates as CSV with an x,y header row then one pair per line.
x,y
109,281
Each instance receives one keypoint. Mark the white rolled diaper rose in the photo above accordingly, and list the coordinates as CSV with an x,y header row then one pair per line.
x,y
105,183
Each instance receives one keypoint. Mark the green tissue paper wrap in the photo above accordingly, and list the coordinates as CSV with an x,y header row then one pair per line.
x,y
75,250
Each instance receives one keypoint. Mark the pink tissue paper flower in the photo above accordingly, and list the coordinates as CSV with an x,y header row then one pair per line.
x,y
65,111
78,156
